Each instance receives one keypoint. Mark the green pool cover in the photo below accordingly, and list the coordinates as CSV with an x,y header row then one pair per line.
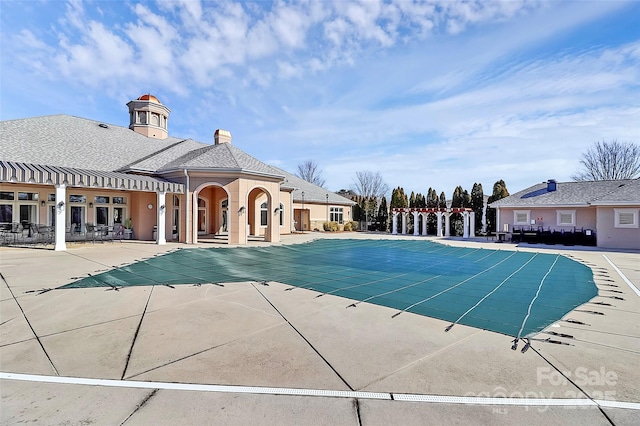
x,y
509,292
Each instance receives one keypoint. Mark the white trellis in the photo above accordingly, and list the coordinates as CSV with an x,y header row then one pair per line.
x,y
468,217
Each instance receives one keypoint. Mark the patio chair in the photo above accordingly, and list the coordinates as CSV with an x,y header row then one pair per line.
x,y
91,232
117,233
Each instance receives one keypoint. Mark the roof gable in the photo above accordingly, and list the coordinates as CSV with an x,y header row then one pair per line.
x,y
222,156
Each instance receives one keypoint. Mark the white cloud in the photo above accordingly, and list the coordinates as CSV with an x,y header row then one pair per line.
x,y
357,85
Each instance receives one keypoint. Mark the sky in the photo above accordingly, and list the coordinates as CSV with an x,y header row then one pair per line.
x,y
428,93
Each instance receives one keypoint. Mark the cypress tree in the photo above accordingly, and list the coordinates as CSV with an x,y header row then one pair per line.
x,y
477,204
499,191
383,215
442,202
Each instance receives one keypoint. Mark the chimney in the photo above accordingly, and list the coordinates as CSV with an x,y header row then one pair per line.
x,y
222,136
551,185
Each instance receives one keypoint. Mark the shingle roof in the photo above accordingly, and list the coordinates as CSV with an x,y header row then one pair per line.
x,y
629,193
221,156
574,194
67,141
312,193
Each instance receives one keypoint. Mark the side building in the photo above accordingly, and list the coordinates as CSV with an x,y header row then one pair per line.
x,y
605,213
74,174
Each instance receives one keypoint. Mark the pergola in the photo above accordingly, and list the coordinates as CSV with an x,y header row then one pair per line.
x,y
468,216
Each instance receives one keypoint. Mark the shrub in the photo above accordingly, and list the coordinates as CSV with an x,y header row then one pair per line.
x,y
330,226
347,226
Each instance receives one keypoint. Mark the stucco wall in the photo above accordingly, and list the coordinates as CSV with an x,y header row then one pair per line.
x,y
547,218
611,237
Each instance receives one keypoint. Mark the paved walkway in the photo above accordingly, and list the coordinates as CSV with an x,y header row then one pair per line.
x,y
247,353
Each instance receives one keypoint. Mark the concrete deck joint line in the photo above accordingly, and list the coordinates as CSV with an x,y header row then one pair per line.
x,y
326,361
623,276
135,335
442,399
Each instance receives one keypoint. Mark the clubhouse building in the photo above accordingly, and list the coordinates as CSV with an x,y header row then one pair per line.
x,y
74,174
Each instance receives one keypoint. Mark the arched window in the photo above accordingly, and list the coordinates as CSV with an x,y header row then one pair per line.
x,y
263,214
281,214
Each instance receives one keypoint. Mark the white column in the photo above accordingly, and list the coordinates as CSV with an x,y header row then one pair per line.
x,y
61,221
465,224
424,224
404,223
439,230
497,220
447,231
416,228
394,224
194,218
472,224
162,219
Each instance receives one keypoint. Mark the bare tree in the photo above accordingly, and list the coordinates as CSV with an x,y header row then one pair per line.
x,y
368,184
371,188
610,160
310,172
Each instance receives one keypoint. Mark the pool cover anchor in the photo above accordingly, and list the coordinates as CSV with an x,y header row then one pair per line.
x,y
572,321
41,291
515,344
113,287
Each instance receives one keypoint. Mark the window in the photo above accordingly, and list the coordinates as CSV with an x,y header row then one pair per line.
x,y
336,214
101,199
28,196
102,216
626,218
51,198
281,214
521,217
6,213
77,198
263,214
566,217
118,215
7,195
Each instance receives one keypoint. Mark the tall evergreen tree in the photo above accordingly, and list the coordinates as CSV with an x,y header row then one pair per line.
x,y
431,202
383,215
432,198
412,200
442,201
466,199
499,191
456,221
477,204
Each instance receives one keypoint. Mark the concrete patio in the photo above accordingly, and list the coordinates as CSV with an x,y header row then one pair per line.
x,y
269,356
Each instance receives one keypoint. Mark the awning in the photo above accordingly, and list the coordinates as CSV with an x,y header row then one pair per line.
x,y
52,175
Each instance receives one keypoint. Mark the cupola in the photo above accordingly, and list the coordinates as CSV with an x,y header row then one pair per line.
x,y
149,117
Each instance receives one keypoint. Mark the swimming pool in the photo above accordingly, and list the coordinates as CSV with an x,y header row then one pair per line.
x,y
509,292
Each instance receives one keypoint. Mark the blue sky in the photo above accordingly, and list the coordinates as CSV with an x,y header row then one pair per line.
x,y
430,94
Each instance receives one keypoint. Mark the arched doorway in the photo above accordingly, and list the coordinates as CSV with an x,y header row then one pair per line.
x,y
210,213
262,215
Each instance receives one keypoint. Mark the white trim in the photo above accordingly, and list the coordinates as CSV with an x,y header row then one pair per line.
x,y
618,212
515,217
446,399
560,213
